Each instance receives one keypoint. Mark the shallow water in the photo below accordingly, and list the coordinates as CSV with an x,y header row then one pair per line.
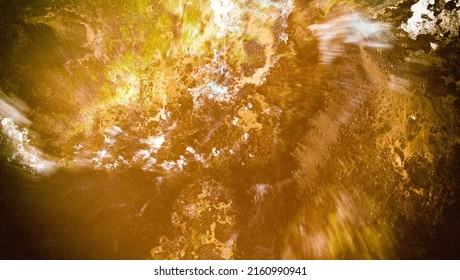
x,y
223,130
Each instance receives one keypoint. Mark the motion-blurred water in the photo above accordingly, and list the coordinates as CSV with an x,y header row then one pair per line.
x,y
219,130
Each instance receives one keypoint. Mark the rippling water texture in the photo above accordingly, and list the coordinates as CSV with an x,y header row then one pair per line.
x,y
229,129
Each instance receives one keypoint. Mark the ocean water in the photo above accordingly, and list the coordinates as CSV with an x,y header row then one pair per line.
x,y
224,129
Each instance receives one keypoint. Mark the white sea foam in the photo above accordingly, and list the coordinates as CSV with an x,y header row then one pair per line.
x,y
227,16
354,29
22,152
211,90
15,131
174,165
12,108
422,19
154,142
216,82
425,21
198,157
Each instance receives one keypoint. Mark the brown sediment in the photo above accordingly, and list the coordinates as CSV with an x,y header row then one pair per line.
x,y
360,176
